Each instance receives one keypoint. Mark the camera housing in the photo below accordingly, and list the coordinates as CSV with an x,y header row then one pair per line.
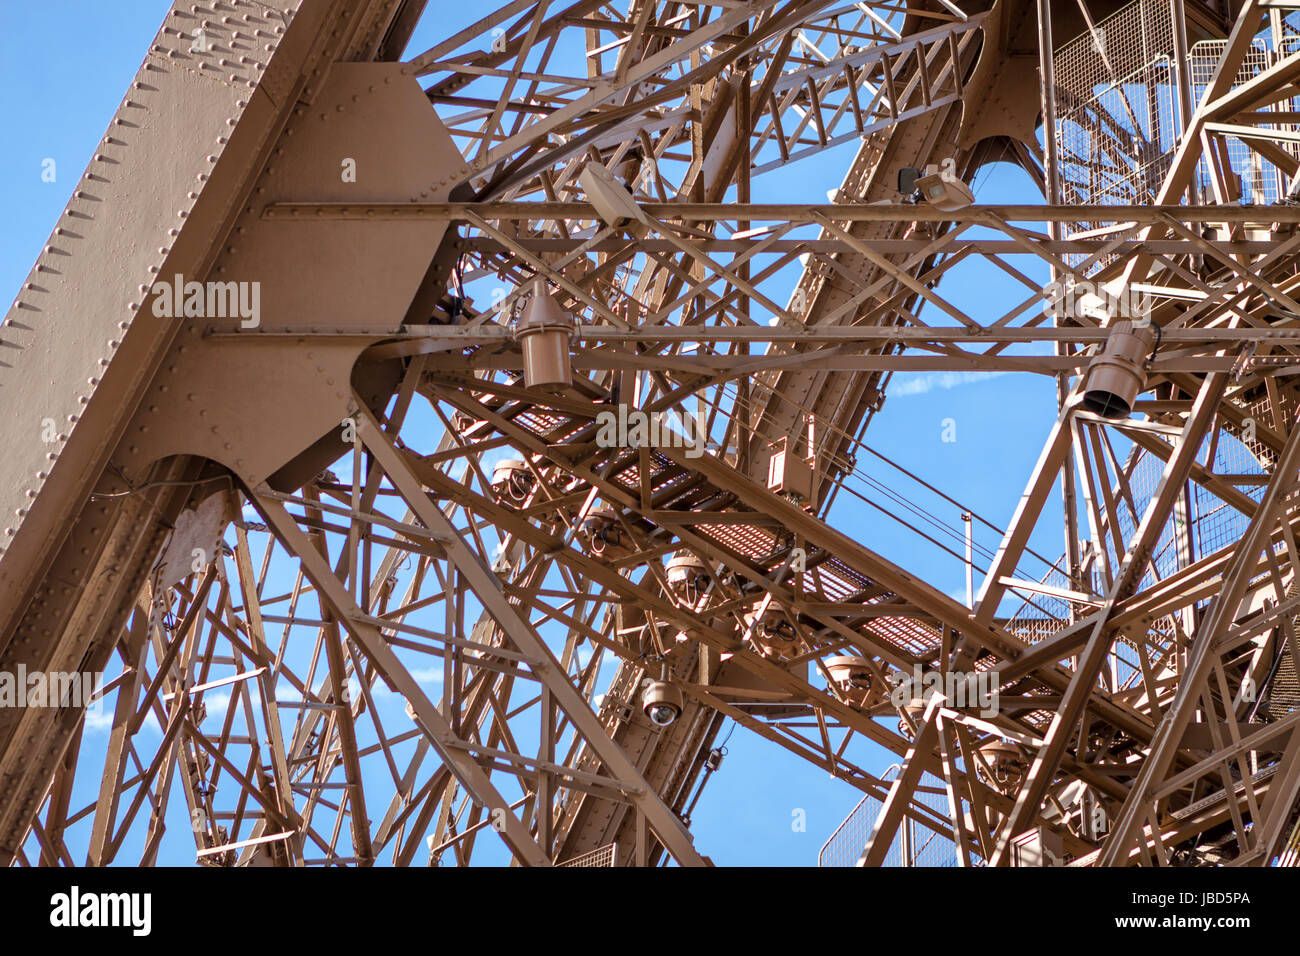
x,y
662,703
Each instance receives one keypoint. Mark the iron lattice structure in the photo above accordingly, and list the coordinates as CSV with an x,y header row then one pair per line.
x,y
264,533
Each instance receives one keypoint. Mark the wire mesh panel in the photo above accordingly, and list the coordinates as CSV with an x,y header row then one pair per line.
x,y
1116,110
914,844
1261,182
601,856
1215,524
1118,118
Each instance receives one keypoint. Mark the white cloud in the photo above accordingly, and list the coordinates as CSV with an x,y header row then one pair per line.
x,y
937,381
216,705
99,718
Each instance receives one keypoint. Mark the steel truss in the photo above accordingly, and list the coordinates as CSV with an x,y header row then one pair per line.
x,y
1143,683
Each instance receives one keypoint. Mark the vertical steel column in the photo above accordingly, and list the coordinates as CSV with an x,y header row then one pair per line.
x,y
970,564
1052,183
1182,74
1182,70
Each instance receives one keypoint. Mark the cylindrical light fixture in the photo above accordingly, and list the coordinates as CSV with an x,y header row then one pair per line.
x,y
1118,373
544,331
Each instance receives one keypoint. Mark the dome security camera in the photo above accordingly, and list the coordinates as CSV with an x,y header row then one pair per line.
x,y
662,703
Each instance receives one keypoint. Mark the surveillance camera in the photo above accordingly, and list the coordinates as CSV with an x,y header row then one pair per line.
x,y
944,193
662,703
662,714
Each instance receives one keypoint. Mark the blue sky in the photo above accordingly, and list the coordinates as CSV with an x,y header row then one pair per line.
x,y
64,66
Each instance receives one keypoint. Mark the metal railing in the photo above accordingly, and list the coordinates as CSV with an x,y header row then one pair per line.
x,y
914,844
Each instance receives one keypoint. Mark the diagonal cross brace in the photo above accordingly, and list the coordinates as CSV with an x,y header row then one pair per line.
x,y
1059,733
457,758
1200,656
487,588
